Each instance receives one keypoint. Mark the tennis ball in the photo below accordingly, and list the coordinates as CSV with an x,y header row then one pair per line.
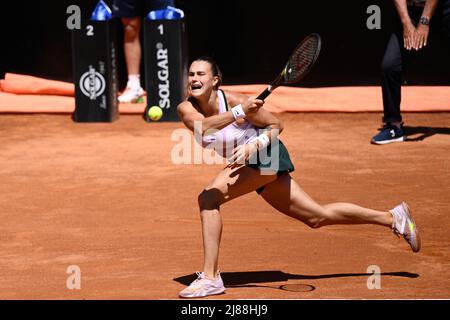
x,y
155,113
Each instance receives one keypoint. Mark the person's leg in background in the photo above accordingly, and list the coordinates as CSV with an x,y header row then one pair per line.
x,y
133,53
130,12
132,24
391,71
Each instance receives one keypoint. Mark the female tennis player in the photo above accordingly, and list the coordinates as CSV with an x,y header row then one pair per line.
x,y
224,118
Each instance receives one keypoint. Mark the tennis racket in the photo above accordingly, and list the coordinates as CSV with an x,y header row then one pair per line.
x,y
299,64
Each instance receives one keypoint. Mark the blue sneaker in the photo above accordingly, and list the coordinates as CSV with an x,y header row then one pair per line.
x,y
389,134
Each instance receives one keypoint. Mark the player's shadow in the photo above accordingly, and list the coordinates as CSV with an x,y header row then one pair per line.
x,y
250,278
415,134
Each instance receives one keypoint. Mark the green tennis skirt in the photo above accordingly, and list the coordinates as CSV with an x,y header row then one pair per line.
x,y
263,160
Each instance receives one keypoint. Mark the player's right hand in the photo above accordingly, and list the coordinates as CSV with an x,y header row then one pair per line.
x,y
252,105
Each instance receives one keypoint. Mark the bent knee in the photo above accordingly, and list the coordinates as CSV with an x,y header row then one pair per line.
x,y
209,199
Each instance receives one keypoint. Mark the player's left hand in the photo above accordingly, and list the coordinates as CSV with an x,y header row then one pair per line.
x,y
242,153
421,36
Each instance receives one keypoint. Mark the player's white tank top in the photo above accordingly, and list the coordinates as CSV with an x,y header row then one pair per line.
x,y
226,139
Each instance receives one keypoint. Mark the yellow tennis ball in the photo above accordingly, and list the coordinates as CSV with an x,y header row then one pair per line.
x,y
155,113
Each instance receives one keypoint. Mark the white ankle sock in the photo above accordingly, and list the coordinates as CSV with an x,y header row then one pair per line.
x,y
134,81
399,223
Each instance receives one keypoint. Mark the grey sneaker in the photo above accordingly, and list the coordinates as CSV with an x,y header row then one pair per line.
x,y
203,286
405,226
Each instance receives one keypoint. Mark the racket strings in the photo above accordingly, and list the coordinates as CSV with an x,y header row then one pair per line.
x,y
302,59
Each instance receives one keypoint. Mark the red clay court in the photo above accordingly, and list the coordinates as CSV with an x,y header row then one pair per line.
x,y
107,198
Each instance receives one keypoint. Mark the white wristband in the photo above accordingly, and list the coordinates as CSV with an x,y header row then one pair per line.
x,y
238,112
263,141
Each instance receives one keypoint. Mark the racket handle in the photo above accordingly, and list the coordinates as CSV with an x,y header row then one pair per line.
x,y
264,94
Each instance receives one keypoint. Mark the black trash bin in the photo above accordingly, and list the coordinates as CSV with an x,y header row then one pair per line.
x,y
166,65
95,71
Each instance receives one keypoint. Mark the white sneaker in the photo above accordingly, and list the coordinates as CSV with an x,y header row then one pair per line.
x,y
131,95
203,286
404,225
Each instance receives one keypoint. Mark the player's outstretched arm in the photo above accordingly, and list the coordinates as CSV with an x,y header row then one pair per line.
x,y
189,115
261,118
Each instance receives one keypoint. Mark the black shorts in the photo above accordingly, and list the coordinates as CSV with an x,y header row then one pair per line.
x,y
138,8
284,163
